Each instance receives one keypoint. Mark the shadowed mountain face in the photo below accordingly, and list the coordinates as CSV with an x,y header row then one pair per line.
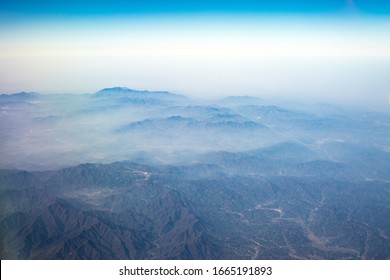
x,y
174,178
131,211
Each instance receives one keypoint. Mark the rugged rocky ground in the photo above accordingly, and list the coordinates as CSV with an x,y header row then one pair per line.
x,y
173,178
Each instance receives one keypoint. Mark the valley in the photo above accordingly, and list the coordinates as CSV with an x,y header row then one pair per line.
x,y
125,174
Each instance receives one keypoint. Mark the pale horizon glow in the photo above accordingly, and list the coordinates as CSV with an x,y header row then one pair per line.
x,y
201,57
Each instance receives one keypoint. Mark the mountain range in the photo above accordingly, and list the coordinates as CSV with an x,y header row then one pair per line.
x,y
127,174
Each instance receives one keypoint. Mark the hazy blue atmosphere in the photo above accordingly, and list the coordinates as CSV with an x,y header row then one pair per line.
x,y
126,174
332,51
195,130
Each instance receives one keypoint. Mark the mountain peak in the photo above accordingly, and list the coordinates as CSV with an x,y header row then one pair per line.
x,y
116,90
125,90
20,96
141,96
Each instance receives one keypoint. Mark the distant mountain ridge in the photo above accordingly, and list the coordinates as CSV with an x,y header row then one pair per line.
x,y
176,122
125,90
19,97
128,174
149,97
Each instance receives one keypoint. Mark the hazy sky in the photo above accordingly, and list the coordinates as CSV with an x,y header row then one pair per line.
x,y
326,50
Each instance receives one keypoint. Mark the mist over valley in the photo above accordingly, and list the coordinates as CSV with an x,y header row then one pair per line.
x,y
129,174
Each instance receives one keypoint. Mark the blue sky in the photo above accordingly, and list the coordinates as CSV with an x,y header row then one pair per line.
x,y
332,50
99,7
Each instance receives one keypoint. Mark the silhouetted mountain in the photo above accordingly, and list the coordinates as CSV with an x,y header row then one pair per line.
x,y
224,122
141,97
127,174
21,97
